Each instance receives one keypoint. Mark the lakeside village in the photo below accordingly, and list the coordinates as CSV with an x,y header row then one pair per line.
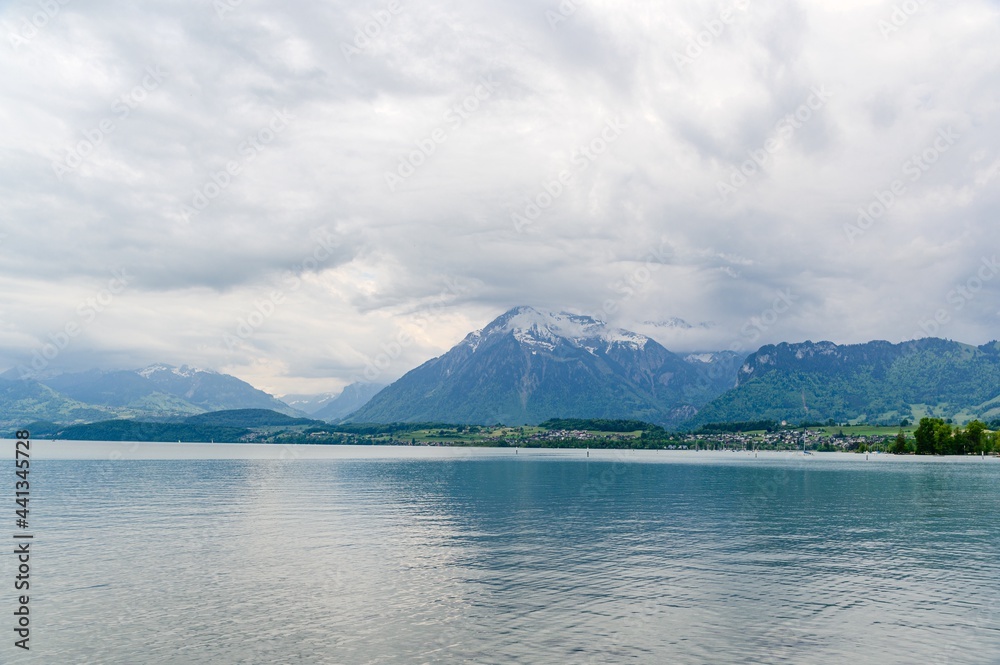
x,y
932,436
736,441
813,440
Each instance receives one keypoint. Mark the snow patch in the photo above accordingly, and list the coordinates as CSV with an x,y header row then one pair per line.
x,y
700,358
474,339
545,330
185,371
147,372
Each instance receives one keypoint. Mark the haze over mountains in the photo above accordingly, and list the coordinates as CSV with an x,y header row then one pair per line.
x,y
334,406
529,365
157,391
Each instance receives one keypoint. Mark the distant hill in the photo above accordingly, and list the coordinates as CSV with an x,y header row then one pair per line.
x,y
876,382
232,426
528,366
353,397
131,430
248,418
23,401
155,392
177,389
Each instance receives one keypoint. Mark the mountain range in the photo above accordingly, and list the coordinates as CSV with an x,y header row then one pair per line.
x,y
877,382
158,391
529,365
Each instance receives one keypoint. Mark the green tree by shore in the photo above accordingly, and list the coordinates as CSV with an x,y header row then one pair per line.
x,y
934,436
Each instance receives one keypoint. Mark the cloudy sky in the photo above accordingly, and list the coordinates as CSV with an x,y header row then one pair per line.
x,y
285,191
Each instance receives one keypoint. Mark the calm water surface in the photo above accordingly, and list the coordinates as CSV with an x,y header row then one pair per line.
x,y
452,556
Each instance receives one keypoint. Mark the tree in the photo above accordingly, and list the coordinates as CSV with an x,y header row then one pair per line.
x,y
925,435
975,433
944,442
899,444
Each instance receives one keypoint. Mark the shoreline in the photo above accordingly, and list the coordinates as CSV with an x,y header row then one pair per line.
x,y
45,449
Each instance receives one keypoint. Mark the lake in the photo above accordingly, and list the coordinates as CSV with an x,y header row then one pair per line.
x,y
188,553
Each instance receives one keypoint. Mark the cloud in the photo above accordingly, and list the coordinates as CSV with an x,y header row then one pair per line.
x,y
212,150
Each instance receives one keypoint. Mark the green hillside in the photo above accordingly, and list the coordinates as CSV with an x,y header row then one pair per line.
x,y
877,383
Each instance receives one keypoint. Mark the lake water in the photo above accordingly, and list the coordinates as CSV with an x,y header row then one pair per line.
x,y
422,555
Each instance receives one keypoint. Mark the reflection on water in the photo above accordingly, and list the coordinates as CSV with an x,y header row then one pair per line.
x,y
488,558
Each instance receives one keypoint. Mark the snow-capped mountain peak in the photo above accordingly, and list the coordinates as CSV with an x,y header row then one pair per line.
x,y
185,371
544,330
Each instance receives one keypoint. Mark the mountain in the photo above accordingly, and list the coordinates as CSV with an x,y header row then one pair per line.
x,y
877,382
25,401
528,366
157,391
165,388
727,363
353,397
308,404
